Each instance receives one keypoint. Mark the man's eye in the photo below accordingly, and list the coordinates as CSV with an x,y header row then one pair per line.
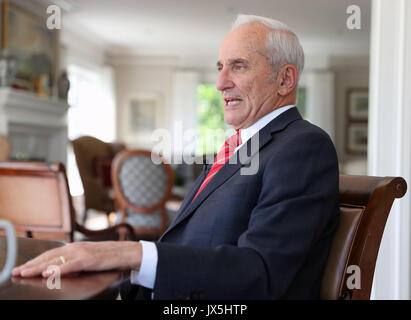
x,y
239,67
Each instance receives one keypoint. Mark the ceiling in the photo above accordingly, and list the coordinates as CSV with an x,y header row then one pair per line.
x,y
196,27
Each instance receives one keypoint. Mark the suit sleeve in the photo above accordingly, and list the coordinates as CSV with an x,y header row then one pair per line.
x,y
298,198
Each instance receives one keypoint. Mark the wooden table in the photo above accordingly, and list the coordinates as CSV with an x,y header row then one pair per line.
x,y
81,286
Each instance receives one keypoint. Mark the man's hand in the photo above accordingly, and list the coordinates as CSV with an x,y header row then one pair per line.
x,y
85,256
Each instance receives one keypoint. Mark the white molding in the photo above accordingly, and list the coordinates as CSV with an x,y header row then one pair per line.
x,y
320,99
30,115
29,101
137,60
389,147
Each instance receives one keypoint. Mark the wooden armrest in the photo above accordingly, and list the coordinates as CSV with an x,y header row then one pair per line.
x,y
112,194
176,197
125,231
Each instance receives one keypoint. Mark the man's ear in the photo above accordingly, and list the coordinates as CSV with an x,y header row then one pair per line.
x,y
287,79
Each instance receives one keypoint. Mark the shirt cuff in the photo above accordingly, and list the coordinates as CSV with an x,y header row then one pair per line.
x,y
146,276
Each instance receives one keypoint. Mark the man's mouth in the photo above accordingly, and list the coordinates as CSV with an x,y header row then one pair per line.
x,y
232,102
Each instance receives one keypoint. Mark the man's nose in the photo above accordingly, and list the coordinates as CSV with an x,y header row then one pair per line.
x,y
224,81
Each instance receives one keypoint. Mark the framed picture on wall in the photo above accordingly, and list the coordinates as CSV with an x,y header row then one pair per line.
x,y
357,138
357,104
33,47
141,116
356,129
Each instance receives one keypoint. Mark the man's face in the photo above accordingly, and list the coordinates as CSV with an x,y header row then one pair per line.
x,y
244,79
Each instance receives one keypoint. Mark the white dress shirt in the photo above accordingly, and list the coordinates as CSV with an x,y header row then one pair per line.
x,y
146,276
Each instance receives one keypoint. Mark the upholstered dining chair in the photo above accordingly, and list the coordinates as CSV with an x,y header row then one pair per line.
x,y
93,158
142,187
365,203
35,197
5,148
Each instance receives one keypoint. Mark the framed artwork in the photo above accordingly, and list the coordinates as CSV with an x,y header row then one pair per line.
x,y
357,103
356,121
357,138
33,47
141,116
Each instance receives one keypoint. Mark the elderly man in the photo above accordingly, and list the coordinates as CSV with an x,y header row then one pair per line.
x,y
264,235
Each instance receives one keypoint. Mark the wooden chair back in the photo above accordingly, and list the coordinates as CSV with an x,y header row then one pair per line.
x,y
34,196
89,152
5,148
365,203
142,187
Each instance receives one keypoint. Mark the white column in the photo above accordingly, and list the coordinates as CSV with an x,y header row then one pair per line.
x,y
320,100
185,105
390,137
3,122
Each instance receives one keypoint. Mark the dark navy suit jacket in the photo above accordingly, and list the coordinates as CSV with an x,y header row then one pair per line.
x,y
260,236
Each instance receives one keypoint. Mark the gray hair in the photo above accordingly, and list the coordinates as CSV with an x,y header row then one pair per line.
x,y
283,47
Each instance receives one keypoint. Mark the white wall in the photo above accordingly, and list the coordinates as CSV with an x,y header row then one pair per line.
x,y
81,49
89,55
141,76
327,79
350,72
320,99
185,84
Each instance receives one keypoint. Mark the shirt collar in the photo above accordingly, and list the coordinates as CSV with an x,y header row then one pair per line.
x,y
247,133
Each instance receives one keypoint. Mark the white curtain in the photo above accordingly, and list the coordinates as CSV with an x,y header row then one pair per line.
x,y
92,112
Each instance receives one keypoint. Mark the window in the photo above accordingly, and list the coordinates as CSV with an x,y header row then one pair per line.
x,y
91,113
211,123
91,107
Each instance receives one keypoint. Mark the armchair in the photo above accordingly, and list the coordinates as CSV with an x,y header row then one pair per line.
x,y
35,197
5,148
141,189
93,158
365,203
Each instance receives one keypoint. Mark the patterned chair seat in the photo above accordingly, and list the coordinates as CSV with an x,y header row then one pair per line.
x,y
137,219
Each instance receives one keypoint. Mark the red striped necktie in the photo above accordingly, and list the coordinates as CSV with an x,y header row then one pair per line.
x,y
221,158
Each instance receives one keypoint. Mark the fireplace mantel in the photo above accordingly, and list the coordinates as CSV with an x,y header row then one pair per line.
x,y
36,126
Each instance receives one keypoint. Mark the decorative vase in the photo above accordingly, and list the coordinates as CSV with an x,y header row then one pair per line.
x,y
7,68
63,84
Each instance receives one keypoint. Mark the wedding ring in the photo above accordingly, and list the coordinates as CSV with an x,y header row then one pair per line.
x,y
62,259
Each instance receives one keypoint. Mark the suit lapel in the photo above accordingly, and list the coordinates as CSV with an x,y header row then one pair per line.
x,y
196,186
229,169
187,199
